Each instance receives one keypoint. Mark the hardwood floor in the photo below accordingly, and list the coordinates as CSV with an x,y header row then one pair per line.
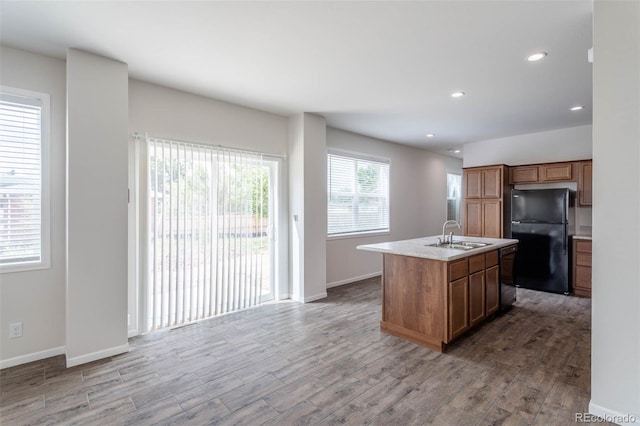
x,y
323,363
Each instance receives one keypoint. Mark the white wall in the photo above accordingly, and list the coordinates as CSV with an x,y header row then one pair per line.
x,y
615,350
308,207
97,167
169,113
418,204
573,143
37,299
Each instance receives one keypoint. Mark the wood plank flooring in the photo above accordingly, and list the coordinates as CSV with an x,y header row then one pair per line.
x,y
322,363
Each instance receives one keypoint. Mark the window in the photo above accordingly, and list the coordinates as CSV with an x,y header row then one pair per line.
x,y
24,219
454,189
358,195
212,219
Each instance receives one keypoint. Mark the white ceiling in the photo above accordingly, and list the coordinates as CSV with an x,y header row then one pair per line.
x,y
384,69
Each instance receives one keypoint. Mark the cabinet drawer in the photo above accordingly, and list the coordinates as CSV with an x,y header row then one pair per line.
x,y
476,263
458,269
583,259
491,258
553,172
583,246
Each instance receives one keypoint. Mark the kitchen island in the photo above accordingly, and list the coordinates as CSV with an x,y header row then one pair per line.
x,y
431,295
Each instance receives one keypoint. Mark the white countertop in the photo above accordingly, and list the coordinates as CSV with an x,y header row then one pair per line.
x,y
582,237
418,247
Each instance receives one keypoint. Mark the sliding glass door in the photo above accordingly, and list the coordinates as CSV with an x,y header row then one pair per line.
x,y
210,221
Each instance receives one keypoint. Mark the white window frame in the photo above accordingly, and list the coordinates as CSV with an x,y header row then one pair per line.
x,y
45,194
360,156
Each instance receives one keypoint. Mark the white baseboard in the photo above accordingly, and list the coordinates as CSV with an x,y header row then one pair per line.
x,y
613,416
354,279
315,297
285,296
36,356
94,356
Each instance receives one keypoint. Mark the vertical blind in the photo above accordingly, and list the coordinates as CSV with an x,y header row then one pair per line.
x,y
358,195
208,222
20,179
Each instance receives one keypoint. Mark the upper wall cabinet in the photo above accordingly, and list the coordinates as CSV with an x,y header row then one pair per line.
x,y
485,189
572,171
541,173
492,182
523,174
585,182
483,182
555,172
473,183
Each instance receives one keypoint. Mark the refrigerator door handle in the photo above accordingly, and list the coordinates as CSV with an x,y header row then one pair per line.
x,y
565,218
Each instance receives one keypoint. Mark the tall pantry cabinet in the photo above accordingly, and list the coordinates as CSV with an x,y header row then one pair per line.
x,y
486,206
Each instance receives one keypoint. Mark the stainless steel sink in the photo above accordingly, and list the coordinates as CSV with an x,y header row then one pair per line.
x,y
460,245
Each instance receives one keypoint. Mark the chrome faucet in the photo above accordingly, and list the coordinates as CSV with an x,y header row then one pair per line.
x,y
444,237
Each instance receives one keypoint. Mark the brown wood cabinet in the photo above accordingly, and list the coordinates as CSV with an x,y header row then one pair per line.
x,y
473,184
582,267
472,219
432,302
552,172
555,172
523,174
458,307
483,218
572,171
492,282
492,182
476,289
485,189
492,218
585,183
481,279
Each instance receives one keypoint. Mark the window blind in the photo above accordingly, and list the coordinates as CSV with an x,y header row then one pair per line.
x,y
358,195
209,232
20,179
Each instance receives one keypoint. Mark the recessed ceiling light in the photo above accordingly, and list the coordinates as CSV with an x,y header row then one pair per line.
x,y
536,56
457,94
430,135
576,108
456,151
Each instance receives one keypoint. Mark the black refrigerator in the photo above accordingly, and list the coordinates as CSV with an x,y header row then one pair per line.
x,y
540,221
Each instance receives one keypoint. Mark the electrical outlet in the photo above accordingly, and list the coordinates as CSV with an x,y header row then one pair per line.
x,y
15,330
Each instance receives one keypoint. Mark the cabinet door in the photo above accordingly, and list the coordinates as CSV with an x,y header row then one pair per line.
x,y
492,219
458,308
555,172
585,184
473,183
476,297
492,183
523,174
492,284
582,268
473,218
